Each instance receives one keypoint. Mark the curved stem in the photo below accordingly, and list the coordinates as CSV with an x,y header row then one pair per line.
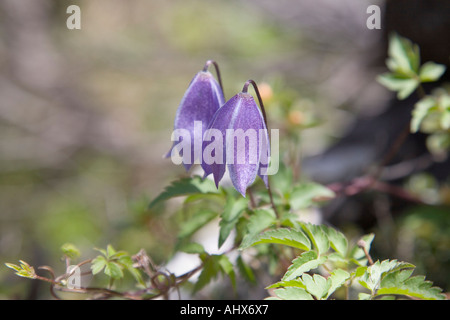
x,y
216,66
263,111
255,87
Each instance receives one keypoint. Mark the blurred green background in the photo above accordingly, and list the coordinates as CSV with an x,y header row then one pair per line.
x,y
86,115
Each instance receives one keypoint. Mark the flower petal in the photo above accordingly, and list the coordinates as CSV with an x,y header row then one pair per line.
x,y
246,124
200,102
217,128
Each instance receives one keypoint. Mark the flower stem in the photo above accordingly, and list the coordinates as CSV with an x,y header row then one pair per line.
x,y
216,66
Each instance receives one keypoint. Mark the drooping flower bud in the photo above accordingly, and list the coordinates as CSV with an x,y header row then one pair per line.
x,y
239,137
201,100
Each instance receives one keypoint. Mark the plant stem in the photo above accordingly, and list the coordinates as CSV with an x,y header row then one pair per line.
x,y
216,66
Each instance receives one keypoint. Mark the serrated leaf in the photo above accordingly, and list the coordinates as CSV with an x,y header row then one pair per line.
x,y
209,271
98,264
185,186
316,285
337,239
375,273
113,270
260,219
303,263
337,277
232,212
305,194
403,86
292,293
287,283
431,71
317,236
110,251
284,236
404,57
400,283
421,110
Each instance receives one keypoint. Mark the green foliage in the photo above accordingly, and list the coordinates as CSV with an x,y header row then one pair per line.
x,y
431,114
113,263
303,278
70,251
22,270
184,187
406,74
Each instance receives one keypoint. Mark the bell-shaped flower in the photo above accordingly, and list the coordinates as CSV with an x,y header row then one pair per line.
x,y
202,99
237,137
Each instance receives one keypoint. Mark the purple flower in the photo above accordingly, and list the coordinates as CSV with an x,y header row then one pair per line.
x,y
202,99
237,137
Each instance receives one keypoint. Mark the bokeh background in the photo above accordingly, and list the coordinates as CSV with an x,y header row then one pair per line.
x,y
86,115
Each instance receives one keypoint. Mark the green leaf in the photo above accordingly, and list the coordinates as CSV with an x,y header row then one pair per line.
x,y
98,264
210,270
292,293
185,186
399,282
260,220
284,236
337,277
24,270
70,251
194,248
113,270
305,262
305,194
375,273
110,251
445,120
245,270
421,110
13,266
227,268
431,71
404,56
201,218
317,236
403,86
288,283
102,251
337,239
364,296
232,212
316,285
